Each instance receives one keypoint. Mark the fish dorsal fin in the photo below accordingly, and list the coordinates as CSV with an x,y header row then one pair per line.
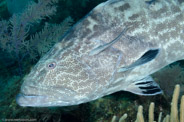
x,y
146,86
148,56
101,48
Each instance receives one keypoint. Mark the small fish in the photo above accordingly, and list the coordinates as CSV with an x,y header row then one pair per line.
x,y
116,47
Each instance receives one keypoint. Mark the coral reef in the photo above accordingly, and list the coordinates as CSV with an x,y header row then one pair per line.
x,y
174,114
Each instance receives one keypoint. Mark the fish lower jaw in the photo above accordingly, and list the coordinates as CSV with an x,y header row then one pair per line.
x,y
28,100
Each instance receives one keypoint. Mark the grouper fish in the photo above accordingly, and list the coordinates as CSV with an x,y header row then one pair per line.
x,y
116,47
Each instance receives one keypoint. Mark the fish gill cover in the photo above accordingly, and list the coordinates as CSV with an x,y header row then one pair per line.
x,y
23,42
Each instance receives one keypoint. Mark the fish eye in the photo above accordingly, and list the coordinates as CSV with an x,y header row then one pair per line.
x,y
52,65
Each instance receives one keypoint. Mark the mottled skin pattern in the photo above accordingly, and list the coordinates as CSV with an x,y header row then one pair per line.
x,y
77,77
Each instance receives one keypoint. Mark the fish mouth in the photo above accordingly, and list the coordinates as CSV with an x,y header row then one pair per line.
x,y
30,100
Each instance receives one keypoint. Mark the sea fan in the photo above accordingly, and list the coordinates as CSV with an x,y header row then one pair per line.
x,y
16,39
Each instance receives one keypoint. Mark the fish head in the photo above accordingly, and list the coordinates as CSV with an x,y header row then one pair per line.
x,y
58,79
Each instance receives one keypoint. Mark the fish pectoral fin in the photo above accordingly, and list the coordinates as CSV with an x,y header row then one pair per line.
x,y
146,86
148,56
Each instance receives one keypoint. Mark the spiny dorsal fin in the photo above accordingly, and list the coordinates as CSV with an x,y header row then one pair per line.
x,y
148,56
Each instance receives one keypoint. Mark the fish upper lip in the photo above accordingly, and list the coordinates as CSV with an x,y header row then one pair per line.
x,y
29,100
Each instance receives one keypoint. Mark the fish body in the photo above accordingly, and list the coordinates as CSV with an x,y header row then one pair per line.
x,y
117,46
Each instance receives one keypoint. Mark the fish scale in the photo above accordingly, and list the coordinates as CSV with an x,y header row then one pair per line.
x,y
117,46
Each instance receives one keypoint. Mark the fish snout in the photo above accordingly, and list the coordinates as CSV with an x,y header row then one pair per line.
x,y
30,100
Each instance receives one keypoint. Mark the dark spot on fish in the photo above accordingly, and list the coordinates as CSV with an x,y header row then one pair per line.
x,y
164,11
85,33
85,23
96,28
124,7
95,16
159,27
67,44
87,42
134,17
179,18
175,9
66,54
77,48
94,35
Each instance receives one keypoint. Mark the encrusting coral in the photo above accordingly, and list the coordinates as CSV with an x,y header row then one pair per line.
x,y
173,117
170,75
